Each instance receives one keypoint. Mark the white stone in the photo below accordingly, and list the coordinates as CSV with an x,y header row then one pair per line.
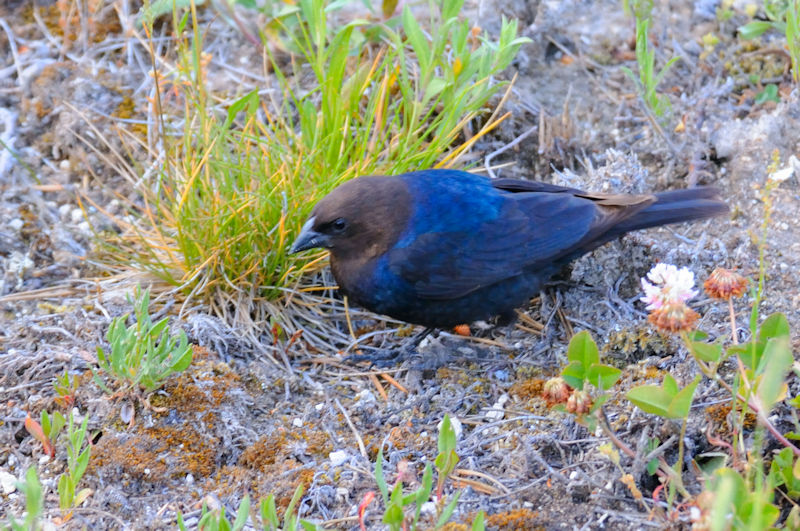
x,y
496,411
189,479
428,508
366,396
297,423
76,215
64,210
64,165
338,457
8,481
16,223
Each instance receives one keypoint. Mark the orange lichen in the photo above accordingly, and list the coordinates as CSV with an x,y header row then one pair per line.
x,y
262,454
514,519
65,19
185,446
127,110
719,415
653,373
527,389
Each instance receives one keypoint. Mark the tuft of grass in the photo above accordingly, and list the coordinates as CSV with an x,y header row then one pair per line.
x,y
216,218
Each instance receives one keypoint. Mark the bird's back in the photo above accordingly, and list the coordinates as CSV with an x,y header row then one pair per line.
x,y
468,247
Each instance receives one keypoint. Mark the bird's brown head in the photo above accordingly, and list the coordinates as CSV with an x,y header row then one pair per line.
x,y
359,219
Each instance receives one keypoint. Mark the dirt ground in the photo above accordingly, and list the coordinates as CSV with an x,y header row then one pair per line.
x,y
236,423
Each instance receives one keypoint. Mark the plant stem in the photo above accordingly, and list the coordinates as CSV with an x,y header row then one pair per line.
x,y
664,470
679,464
754,407
734,335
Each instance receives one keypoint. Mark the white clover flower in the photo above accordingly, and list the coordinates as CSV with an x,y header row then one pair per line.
x,y
667,284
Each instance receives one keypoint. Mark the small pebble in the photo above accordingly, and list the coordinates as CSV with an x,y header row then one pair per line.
x,y
428,508
64,165
8,481
496,411
319,406
339,457
297,423
366,396
16,223
189,479
76,215
64,210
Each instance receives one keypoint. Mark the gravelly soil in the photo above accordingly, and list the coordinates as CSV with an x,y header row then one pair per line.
x,y
234,423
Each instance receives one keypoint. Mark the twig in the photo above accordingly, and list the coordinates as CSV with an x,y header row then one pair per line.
x,y
487,161
353,429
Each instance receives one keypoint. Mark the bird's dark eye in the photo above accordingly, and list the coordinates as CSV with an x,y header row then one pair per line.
x,y
338,225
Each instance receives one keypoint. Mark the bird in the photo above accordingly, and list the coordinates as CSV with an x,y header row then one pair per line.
x,y
441,248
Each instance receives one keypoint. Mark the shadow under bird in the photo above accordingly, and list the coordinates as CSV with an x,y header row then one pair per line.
x,y
439,248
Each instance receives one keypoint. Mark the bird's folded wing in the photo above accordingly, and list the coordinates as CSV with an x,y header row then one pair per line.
x,y
532,230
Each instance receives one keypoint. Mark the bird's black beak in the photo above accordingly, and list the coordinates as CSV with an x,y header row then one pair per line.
x,y
309,239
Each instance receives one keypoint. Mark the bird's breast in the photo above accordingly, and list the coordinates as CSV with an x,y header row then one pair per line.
x,y
370,283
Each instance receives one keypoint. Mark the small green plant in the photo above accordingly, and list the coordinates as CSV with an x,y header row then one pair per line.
x,y
738,503
782,16
770,93
77,461
584,372
741,495
648,80
758,385
397,504
144,353
215,520
65,387
46,431
31,488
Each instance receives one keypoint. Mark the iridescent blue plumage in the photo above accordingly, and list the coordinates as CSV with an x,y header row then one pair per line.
x,y
445,247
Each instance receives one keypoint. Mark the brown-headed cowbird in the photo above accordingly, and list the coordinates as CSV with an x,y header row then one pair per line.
x,y
440,248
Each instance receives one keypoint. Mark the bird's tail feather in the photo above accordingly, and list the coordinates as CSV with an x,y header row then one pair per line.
x,y
676,206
